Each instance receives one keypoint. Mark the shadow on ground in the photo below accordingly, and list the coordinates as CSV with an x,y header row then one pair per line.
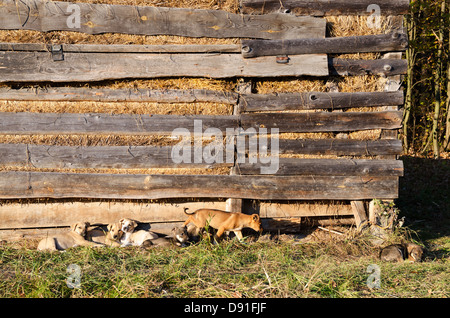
x,y
424,197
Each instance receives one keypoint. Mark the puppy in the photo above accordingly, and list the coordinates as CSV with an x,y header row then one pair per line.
x,y
393,253
132,237
414,252
179,237
75,237
224,221
110,238
400,252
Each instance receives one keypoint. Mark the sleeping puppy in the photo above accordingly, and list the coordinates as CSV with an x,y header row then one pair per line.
x,y
400,252
75,237
132,237
179,237
110,238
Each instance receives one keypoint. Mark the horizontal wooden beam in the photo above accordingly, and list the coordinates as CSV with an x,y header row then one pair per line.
x,y
339,147
40,66
49,214
45,215
334,45
41,15
292,209
147,157
322,121
102,157
15,185
68,123
117,95
107,124
122,48
326,7
318,100
328,167
384,67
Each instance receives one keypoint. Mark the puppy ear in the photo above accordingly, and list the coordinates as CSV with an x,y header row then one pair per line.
x,y
121,221
134,223
109,227
87,224
73,226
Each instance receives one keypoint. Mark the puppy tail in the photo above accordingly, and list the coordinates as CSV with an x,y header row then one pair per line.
x,y
185,211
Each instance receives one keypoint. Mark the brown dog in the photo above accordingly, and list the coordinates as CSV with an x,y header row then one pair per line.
x,y
400,252
76,237
414,251
224,221
110,238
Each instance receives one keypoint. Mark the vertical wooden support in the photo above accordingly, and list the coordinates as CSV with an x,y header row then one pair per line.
x,y
393,83
243,87
359,212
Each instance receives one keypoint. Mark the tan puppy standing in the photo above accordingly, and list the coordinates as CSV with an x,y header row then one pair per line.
x,y
110,238
224,221
131,237
75,237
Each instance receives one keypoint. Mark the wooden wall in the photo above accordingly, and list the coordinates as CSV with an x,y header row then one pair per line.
x,y
46,186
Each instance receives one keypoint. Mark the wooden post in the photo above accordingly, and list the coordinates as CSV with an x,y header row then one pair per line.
x,y
359,211
243,87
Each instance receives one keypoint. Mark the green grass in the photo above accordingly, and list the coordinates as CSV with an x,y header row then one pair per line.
x,y
329,268
225,270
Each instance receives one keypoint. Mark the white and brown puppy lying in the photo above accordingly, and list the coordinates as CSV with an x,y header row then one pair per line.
x,y
110,238
75,237
131,237
224,221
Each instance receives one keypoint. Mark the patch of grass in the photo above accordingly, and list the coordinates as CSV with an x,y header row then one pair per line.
x,y
228,269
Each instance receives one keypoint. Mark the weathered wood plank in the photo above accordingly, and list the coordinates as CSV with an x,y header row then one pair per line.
x,y
323,121
329,167
124,48
68,123
339,147
98,157
359,212
333,45
290,209
41,15
117,95
48,214
326,7
122,186
39,66
146,157
318,100
385,67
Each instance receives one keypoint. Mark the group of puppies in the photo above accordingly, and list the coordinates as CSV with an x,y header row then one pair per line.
x,y
125,232
120,234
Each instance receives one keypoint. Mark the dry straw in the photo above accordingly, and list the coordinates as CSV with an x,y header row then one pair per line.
x,y
336,26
